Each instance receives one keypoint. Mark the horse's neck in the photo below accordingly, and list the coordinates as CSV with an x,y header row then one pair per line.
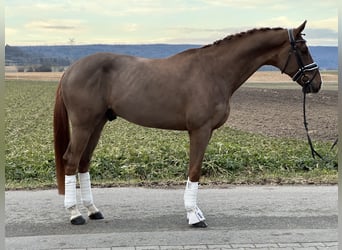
x,y
237,60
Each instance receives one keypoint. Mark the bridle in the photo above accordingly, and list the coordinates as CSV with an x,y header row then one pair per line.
x,y
302,69
306,85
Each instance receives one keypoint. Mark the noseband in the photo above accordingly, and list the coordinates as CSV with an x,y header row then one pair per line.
x,y
302,69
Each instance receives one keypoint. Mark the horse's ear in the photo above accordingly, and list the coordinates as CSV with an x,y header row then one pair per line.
x,y
299,30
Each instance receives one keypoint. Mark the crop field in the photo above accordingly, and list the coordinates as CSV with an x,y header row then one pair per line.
x,y
128,154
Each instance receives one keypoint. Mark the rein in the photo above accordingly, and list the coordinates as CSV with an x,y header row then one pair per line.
x,y
300,74
313,151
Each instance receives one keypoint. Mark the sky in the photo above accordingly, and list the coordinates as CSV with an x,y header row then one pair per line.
x,y
42,22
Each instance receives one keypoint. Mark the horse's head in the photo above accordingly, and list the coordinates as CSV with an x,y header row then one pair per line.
x,y
298,62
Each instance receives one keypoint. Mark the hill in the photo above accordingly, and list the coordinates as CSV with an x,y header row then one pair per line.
x,y
63,55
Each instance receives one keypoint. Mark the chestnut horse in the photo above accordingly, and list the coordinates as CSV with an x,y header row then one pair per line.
x,y
188,91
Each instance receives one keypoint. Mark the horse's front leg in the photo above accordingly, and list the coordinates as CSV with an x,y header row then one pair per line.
x,y
198,143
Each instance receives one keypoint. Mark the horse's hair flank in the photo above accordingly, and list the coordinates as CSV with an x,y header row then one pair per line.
x,y
241,34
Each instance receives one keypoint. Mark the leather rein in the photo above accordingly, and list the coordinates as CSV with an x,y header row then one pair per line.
x,y
300,74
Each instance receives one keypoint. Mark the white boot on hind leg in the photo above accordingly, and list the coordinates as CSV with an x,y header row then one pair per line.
x,y
70,200
87,197
194,214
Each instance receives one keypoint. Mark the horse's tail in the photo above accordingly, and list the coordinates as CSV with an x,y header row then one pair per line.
x,y
61,138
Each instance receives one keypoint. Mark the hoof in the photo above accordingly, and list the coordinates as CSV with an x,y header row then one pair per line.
x,y
96,216
200,224
79,220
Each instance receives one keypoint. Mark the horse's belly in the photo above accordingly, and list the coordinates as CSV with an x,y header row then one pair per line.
x,y
155,116
154,121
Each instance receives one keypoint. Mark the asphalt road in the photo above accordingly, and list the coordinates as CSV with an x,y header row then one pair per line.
x,y
136,218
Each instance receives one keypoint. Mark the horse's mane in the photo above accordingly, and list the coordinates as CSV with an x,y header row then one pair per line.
x,y
239,35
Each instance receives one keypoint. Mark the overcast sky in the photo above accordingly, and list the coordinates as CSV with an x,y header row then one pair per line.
x,y
50,22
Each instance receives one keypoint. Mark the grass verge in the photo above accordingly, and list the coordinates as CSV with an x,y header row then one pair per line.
x,y
128,154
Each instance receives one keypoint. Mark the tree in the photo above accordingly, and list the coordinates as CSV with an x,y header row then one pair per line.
x,y
44,68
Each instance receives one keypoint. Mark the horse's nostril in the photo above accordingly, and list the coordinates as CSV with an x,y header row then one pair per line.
x,y
305,79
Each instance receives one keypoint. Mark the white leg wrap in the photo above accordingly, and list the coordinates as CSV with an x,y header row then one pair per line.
x,y
70,191
194,214
86,194
70,200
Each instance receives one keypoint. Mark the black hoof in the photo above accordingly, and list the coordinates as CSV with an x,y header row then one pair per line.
x,y
79,220
96,216
200,224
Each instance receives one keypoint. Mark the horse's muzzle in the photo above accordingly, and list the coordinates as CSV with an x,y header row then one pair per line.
x,y
311,84
312,88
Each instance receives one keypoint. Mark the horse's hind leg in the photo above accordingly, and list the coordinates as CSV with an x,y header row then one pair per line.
x,y
84,176
78,143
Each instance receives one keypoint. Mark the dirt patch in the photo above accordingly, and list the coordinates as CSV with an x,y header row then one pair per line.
x,y
279,113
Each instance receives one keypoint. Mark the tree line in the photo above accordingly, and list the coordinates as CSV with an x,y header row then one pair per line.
x,y
23,61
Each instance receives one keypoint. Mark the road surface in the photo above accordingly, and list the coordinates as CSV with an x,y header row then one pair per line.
x,y
238,217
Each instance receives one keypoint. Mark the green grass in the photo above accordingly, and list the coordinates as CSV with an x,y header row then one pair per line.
x,y
128,154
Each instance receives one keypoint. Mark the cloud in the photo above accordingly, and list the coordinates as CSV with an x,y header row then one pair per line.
x,y
280,21
322,36
190,30
322,33
131,27
331,23
195,35
131,8
274,5
54,24
287,22
248,4
10,31
57,27
176,21
319,32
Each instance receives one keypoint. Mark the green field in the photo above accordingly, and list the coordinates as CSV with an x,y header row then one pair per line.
x,y
132,155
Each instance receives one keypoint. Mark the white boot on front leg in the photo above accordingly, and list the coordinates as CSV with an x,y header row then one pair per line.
x,y
87,197
70,200
194,214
